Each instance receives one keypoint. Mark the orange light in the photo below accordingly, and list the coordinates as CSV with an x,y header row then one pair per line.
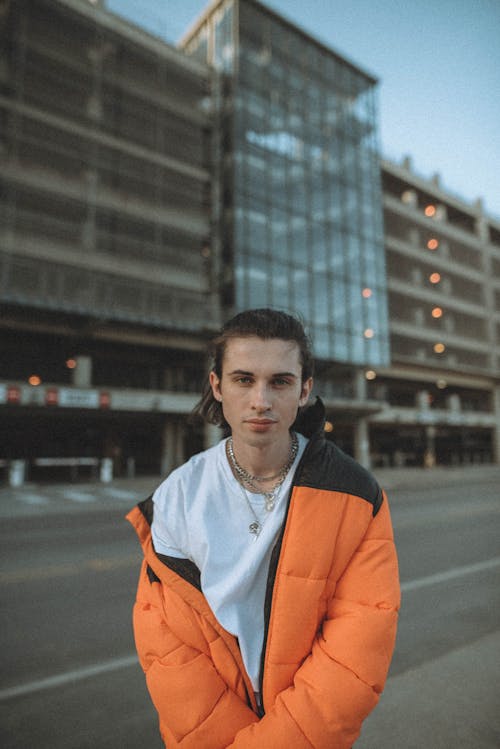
x,y
437,312
369,333
34,380
430,210
433,244
435,277
328,426
370,374
367,293
439,348
71,363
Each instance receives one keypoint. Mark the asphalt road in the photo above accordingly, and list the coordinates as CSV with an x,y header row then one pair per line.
x,y
67,582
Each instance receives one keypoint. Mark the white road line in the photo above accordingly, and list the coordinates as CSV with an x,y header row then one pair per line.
x,y
129,660
118,494
76,496
66,678
34,499
442,577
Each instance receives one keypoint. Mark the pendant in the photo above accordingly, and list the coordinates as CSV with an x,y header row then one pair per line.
x,y
269,499
254,528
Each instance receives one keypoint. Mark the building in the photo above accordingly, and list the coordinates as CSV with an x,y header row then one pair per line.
x,y
149,191
300,192
441,391
107,280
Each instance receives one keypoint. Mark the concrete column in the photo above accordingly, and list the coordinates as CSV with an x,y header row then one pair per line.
x,y
453,403
361,431
168,447
362,442
430,447
82,373
422,400
496,428
211,435
360,388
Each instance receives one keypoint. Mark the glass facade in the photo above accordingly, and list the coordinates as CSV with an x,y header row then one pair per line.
x,y
302,182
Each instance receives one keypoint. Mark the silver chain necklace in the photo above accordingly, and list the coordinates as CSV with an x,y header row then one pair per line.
x,y
244,477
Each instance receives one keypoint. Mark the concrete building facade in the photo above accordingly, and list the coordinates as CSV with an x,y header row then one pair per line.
x,y
441,392
107,279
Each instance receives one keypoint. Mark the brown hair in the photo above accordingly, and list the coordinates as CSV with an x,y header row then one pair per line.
x,y
263,323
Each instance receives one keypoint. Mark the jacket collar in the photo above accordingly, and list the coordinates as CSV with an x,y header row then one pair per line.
x,y
310,420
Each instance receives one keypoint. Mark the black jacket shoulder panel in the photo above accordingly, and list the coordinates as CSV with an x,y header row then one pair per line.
x,y
185,568
146,507
326,466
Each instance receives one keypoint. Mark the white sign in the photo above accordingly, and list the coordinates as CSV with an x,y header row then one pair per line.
x,y
74,398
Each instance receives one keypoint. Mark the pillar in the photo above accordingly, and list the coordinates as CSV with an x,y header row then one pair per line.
x,y
168,448
361,431
82,373
496,428
430,447
362,442
360,389
211,435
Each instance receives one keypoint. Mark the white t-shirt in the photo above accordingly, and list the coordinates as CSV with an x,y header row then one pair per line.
x,y
200,513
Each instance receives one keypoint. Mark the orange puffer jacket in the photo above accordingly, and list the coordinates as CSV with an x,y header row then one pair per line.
x,y
331,616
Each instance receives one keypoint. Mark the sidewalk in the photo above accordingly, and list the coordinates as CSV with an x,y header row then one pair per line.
x,y
121,493
451,701
409,477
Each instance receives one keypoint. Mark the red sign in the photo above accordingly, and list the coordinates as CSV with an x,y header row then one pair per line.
x,y
13,394
104,400
52,397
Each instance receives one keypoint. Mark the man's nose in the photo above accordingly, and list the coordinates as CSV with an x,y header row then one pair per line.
x,y
260,398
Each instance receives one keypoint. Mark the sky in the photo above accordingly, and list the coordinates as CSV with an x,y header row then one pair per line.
x,y
438,66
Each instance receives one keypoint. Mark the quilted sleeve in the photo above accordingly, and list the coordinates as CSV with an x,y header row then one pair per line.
x,y
340,682
196,707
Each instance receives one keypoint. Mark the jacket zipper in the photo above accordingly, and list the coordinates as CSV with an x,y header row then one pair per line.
x,y
271,579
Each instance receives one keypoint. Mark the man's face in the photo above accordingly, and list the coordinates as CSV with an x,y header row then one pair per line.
x,y
260,389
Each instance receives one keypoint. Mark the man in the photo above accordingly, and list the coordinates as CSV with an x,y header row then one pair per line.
x,y
267,603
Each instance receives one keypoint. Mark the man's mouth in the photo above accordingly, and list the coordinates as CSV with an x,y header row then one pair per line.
x,y
260,423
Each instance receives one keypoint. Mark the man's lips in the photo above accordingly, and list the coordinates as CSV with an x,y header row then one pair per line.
x,y
260,423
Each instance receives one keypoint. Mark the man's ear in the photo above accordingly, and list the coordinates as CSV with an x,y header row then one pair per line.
x,y
307,387
215,385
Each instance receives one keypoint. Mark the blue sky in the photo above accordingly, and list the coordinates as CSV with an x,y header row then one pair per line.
x,y
438,64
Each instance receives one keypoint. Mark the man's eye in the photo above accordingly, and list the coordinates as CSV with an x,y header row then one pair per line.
x,y
280,381
243,380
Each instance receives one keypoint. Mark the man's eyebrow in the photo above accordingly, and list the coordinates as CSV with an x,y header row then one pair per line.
x,y
251,374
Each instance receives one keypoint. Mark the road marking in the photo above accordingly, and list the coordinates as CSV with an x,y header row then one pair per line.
x,y
34,499
49,572
77,496
68,677
442,577
129,660
119,494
